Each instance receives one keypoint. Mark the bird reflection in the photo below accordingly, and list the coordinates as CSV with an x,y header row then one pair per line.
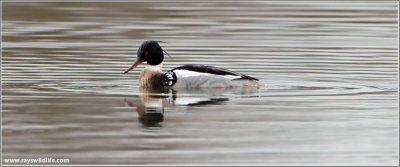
x,y
150,107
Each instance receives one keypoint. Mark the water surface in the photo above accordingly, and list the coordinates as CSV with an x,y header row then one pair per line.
x,y
330,70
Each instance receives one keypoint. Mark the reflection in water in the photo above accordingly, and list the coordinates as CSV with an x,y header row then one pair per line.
x,y
149,116
152,100
150,108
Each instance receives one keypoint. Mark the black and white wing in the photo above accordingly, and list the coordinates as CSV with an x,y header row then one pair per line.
x,y
209,76
202,69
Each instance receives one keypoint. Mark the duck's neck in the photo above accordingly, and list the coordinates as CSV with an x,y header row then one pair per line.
x,y
153,68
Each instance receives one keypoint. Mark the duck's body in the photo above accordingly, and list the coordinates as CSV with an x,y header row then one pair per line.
x,y
184,76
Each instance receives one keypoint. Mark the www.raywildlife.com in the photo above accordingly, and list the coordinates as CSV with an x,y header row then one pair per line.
x,y
36,161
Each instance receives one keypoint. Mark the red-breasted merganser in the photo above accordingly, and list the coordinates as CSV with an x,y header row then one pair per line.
x,y
183,76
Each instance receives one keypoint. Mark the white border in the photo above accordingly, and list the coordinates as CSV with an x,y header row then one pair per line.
x,y
1,72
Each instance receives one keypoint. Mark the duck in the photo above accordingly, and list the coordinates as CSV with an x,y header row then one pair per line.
x,y
185,76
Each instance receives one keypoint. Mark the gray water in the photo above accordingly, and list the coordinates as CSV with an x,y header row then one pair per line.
x,y
330,69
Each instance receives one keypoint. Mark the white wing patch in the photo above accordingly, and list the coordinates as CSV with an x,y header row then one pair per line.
x,y
231,77
180,73
187,78
187,73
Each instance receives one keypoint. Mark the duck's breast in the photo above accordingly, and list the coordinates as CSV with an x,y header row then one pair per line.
x,y
147,78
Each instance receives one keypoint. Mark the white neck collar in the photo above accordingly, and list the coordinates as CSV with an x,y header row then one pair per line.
x,y
154,67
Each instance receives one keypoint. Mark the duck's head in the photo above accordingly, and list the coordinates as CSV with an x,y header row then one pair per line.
x,y
150,52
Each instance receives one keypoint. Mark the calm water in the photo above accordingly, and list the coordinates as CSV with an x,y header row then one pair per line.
x,y
330,70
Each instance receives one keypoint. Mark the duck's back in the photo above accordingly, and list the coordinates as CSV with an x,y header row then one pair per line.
x,y
208,76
